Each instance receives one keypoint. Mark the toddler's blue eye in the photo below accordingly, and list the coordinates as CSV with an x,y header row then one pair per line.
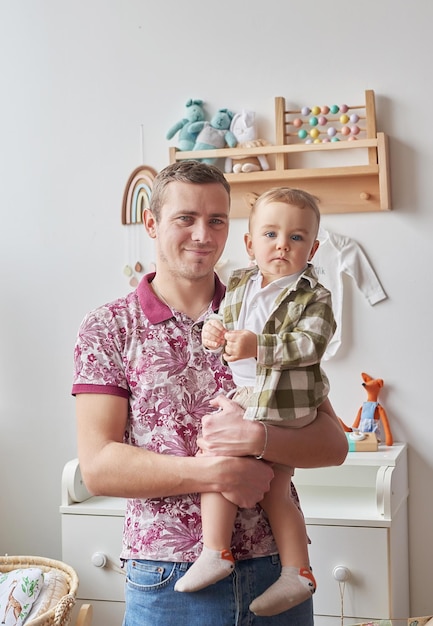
x,y
296,237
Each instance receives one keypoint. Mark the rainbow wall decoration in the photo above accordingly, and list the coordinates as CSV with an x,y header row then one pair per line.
x,y
136,196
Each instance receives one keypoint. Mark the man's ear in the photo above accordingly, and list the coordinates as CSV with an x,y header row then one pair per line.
x,y
249,245
314,249
149,223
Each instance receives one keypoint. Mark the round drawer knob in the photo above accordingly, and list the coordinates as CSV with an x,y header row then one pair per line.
x,y
99,559
341,573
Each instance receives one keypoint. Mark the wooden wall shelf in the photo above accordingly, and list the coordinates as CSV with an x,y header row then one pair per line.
x,y
340,188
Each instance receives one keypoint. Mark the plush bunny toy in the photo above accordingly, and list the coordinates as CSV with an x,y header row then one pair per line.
x,y
243,127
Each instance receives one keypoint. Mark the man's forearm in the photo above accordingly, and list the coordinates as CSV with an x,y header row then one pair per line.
x,y
320,444
121,470
124,471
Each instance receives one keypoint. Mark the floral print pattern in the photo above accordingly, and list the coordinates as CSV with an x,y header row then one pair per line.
x,y
161,367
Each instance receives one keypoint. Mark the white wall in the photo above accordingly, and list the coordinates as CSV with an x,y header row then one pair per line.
x,y
78,79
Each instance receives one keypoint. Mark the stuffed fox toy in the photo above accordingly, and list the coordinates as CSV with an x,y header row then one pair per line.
x,y
371,414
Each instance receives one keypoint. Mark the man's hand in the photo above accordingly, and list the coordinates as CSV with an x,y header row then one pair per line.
x,y
226,433
251,481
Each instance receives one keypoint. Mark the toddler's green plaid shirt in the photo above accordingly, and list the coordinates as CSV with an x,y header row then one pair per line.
x,y
290,383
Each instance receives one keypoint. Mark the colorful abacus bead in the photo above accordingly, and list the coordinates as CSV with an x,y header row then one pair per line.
x,y
302,134
344,108
305,111
315,110
297,123
345,130
332,131
334,109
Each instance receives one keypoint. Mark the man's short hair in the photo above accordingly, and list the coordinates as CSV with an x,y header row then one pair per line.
x,y
185,171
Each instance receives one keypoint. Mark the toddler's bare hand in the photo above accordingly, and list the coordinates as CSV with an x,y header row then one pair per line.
x,y
240,344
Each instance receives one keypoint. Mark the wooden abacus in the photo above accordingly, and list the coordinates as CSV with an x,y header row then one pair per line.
x,y
333,122
339,188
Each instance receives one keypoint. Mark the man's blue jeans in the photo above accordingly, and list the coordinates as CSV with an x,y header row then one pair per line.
x,y
152,601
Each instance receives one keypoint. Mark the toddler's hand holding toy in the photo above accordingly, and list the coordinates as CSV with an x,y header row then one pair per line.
x,y
212,334
238,344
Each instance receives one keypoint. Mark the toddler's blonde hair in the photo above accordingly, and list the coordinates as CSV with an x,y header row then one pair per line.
x,y
297,197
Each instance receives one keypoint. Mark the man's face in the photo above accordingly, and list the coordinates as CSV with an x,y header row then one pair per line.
x,y
192,232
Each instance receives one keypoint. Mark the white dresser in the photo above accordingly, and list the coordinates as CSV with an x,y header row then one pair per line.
x,y
356,518
357,521
91,544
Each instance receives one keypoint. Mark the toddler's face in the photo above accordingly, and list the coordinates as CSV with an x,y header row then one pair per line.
x,y
282,239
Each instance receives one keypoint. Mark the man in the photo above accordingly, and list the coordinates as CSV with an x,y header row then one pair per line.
x,y
143,385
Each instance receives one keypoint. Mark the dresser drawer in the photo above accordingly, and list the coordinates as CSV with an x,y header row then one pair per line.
x,y
364,552
104,613
83,537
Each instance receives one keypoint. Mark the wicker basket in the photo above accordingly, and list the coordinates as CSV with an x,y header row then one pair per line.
x,y
60,615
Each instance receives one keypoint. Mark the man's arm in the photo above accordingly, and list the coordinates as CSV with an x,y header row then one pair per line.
x,y
113,468
320,444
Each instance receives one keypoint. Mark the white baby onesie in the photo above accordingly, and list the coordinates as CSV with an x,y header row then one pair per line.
x,y
338,255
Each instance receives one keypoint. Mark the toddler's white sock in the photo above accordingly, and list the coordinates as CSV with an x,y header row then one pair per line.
x,y
210,567
293,587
